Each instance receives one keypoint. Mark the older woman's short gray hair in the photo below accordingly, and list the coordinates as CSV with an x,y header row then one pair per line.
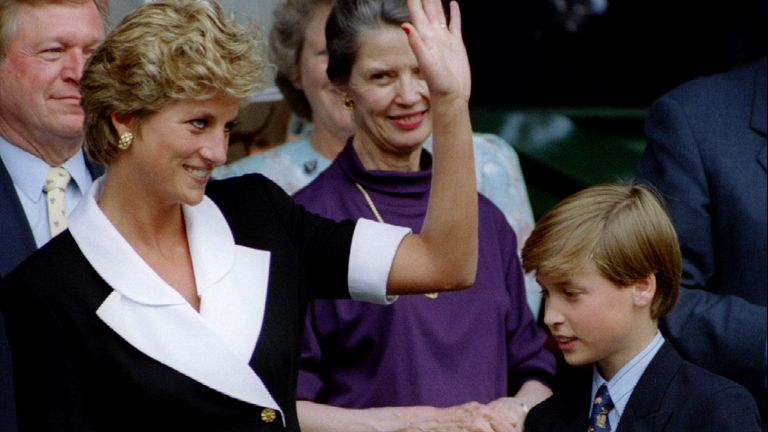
x,y
349,20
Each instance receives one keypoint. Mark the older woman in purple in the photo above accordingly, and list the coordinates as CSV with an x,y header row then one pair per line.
x,y
473,360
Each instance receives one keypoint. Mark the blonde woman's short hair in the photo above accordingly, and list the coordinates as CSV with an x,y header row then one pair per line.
x,y
161,52
621,229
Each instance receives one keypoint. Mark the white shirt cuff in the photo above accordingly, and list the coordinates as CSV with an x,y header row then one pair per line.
x,y
374,246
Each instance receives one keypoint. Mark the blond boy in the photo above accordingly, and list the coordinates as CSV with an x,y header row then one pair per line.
x,y
609,263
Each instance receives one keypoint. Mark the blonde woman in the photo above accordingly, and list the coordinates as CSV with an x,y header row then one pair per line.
x,y
174,304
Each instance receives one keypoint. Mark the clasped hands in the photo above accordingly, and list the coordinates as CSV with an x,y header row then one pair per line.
x,y
506,414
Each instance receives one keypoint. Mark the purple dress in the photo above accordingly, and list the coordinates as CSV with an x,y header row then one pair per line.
x,y
477,344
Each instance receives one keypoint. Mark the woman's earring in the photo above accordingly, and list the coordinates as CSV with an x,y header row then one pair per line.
x,y
348,103
126,139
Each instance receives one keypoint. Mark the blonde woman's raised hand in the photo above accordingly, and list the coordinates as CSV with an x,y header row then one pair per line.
x,y
439,48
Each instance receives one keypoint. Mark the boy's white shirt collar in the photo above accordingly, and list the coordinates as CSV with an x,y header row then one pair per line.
x,y
621,386
213,346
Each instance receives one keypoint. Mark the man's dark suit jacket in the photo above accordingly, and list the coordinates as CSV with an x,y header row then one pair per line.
x,y
16,244
671,396
17,241
706,154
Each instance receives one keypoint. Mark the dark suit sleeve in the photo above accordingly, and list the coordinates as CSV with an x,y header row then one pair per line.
x,y
722,333
537,418
45,370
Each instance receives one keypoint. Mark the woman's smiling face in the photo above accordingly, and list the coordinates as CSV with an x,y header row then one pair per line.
x,y
176,149
391,99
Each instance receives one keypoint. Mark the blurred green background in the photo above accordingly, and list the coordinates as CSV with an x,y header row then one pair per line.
x,y
563,150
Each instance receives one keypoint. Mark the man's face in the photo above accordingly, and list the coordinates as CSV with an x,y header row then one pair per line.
x,y
40,74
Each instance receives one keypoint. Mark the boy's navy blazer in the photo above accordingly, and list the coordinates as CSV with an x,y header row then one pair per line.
x,y
671,396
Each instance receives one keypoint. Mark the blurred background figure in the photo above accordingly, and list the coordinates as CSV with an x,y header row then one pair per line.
x,y
573,13
297,47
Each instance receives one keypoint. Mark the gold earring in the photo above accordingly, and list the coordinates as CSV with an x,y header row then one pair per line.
x,y
348,103
126,139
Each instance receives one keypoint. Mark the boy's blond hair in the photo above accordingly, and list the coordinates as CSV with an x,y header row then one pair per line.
x,y
622,229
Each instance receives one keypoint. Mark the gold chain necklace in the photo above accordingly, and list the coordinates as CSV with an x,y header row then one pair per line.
x,y
376,213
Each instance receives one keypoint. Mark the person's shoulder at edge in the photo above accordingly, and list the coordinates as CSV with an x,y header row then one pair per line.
x,y
719,84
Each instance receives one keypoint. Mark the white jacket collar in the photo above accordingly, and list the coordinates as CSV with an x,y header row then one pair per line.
x,y
214,346
210,241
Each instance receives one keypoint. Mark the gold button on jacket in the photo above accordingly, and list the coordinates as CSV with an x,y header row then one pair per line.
x,y
268,415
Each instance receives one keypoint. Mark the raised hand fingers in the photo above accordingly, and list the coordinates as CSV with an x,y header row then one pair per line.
x,y
440,51
418,16
433,9
427,14
455,25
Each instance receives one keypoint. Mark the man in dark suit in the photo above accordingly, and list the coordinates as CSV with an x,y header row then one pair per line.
x,y
40,115
41,123
706,154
